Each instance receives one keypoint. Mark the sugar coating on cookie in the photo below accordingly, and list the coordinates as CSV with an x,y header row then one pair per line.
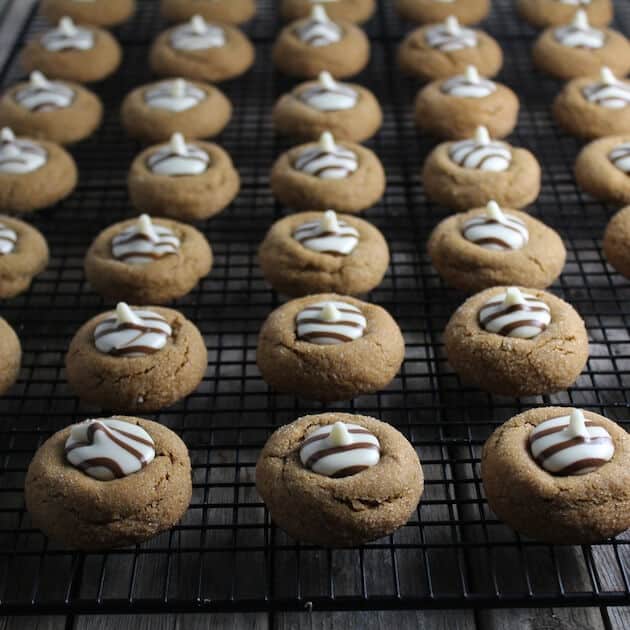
x,y
515,314
580,34
327,160
177,95
178,158
8,239
609,91
496,230
340,450
129,332
450,36
329,95
570,445
18,155
197,35
68,36
481,153
319,30
330,323
328,235
144,242
620,157
42,95
109,448
469,85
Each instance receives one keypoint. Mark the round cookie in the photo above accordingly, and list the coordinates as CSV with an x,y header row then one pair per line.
x,y
328,347
586,500
75,53
51,110
224,11
147,262
470,173
10,358
142,485
201,51
328,174
136,359
439,51
96,12
318,252
455,107
516,342
578,49
349,111
432,11
487,247
187,181
346,10
307,47
154,112
23,255
33,175
543,13
592,107
602,169
617,242
380,488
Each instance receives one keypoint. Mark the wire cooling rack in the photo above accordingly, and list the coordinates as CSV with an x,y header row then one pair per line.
x,y
226,554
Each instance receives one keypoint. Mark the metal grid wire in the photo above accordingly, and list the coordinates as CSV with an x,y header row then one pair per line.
x,y
226,554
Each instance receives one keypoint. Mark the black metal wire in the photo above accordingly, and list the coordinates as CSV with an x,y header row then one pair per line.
x,y
226,555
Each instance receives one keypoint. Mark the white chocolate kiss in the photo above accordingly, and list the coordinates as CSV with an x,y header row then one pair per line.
x,y
19,156
580,34
481,153
327,160
329,95
515,314
178,159
340,450
330,323
197,35
496,230
68,36
128,332
319,30
110,448
8,239
42,95
608,92
177,95
328,235
450,36
469,85
570,445
144,242
620,157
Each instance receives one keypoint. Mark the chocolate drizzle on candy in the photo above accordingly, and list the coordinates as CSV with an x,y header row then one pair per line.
x,y
19,156
178,159
571,445
580,34
8,240
340,450
515,314
319,30
328,236
330,323
329,95
450,36
197,35
469,85
144,242
42,95
620,157
175,96
496,230
609,92
481,153
327,160
132,333
68,36
107,449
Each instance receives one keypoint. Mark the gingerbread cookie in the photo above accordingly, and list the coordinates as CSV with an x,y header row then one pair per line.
x,y
154,112
617,242
319,252
222,11
329,347
579,49
51,110
455,107
309,46
75,53
328,174
188,181
439,51
543,13
432,11
10,357
338,479
136,359
602,169
147,262
23,255
470,173
346,10
108,482
486,247
349,111
592,107
516,342
559,475
96,12
202,51
33,175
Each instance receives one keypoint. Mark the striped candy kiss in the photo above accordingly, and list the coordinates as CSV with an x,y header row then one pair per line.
x,y
329,95
42,95
469,85
19,156
197,35
68,36
144,243
450,36
328,236
330,323
319,30
340,450
620,157
496,230
609,92
481,153
327,160
570,445
174,96
178,159
8,240
580,34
